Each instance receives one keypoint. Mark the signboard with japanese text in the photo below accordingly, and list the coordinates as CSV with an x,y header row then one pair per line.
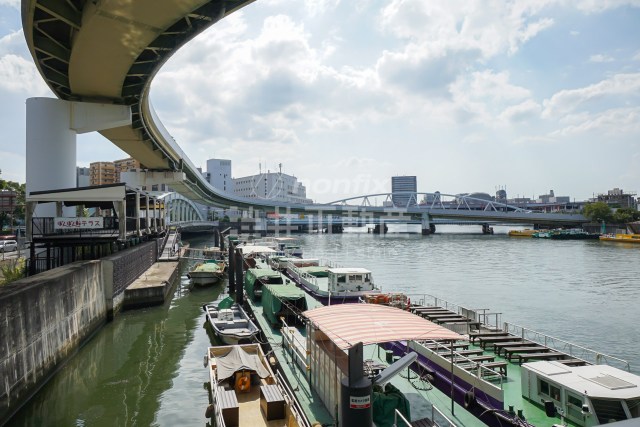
x,y
92,223
359,402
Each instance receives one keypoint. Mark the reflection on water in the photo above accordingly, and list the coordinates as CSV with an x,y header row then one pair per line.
x,y
145,367
584,292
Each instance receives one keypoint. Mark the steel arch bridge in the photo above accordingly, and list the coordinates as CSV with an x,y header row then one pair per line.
x,y
431,201
108,52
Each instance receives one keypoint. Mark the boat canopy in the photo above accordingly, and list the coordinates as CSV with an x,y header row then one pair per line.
x,y
349,324
274,297
266,275
239,359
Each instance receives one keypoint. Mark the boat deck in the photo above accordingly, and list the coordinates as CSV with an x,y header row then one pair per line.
x,y
309,401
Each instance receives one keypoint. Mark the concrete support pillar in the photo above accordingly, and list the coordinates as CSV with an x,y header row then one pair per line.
x,y
59,209
121,209
427,226
261,226
147,217
155,217
52,126
138,232
30,208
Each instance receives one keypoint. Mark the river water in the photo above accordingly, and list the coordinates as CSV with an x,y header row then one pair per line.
x,y
145,367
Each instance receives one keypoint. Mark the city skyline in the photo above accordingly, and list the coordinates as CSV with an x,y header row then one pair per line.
x,y
537,95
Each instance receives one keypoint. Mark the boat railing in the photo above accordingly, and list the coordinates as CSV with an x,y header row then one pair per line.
x,y
297,412
294,344
303,274
216,398
481,315
400,421
482,372
573,350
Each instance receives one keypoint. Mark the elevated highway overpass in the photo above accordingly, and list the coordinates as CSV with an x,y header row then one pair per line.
x,y
108,51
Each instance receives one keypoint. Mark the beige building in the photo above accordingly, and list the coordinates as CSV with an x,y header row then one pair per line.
x,y
109,172
101,173
125,165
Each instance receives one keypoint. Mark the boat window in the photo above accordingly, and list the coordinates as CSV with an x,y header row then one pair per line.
x,y
355,278
367,277
608,410
544,387
342,278
574,406
634,407
555,392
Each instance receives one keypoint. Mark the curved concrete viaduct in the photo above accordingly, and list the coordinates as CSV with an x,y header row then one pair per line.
x,y
108,51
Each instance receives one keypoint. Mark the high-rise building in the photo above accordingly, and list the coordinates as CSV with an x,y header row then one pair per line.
x,y
102,173
404,184
125,165
276,186
83,177
219,174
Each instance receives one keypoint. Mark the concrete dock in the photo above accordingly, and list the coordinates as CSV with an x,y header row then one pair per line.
x,y
153,286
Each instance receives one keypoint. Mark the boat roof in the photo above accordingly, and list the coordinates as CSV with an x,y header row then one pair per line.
x,y
255,249
263,272
349,324
599,381
349,270
286,291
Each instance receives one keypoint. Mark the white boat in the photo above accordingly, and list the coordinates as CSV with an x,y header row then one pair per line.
x,y
333,285
230,322
240,377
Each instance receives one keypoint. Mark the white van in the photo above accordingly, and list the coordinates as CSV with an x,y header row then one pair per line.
x,y
8,245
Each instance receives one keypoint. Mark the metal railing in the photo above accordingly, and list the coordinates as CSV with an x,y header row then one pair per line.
x,y
291,341
297,411
574,350
440,421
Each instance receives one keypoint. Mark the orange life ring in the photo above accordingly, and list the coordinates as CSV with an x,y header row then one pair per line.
x,y
243,383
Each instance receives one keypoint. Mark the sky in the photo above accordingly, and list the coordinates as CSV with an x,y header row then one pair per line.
x,y
469,96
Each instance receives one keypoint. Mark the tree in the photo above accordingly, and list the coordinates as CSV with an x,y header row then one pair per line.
x,y
597,212
624,215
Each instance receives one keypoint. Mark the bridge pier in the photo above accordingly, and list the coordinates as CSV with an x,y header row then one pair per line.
x,y
486,229
427,226
52,126
380,229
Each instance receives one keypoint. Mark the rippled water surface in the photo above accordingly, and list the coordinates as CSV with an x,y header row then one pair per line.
x,y
145,367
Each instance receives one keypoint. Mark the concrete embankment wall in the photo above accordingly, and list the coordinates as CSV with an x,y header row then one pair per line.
x,y
44,319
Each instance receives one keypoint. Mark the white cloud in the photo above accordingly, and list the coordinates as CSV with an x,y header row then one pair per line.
x,y
11,3
565,101
20,75
487,26
522,112
636,57
486,94
600,58
598,6
618,121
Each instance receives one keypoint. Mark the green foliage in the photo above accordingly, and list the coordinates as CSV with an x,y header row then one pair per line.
x,y
225,218
598,212
624,215
12,271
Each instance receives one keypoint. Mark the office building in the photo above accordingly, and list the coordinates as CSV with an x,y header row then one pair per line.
x,y
275,186
219,175
407,185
